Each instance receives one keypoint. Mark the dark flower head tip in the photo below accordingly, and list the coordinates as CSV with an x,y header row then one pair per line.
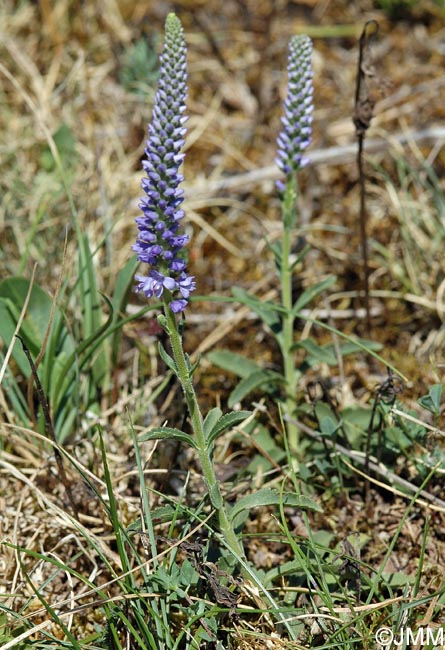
x,y
160,242
295,135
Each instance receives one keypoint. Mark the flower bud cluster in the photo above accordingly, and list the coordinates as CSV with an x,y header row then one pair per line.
x,y
295,135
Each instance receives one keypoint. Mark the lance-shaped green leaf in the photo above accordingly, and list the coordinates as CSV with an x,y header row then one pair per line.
x,y
268,497
225,422
266,378
168,433
192,367
210,420
90,300
167,359
267,311
160,515
311,292
233,362
323,353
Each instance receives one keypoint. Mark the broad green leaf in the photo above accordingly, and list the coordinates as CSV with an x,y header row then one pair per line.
x,y
8,320
13,293
233,362
323,539
265,378
323,410
355,421
168,433
225,422
188,573
268,497
431,402
57,383
328,426
311,292
397,440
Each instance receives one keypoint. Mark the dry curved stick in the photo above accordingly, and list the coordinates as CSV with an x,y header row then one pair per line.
x,y
49,428
363,112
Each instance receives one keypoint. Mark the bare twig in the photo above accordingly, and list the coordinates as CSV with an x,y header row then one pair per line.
x,y
363,113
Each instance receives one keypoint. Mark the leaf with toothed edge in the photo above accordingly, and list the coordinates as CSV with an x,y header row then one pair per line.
x,y
268,497
168,433
225,422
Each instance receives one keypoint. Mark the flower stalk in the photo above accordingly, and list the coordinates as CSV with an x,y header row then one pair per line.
x,y
160,244
294,138
204,453
288,318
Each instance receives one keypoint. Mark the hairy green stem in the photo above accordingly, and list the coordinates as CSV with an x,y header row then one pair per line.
x,y
204,453
287,338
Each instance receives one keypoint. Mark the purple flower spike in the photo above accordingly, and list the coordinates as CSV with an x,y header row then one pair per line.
x,y
295,135
160,242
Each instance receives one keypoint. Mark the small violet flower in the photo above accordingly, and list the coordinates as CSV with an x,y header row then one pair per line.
x,y
159,242
295,135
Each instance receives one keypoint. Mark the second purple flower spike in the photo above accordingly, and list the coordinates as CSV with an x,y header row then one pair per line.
x,y
295,135
159,242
